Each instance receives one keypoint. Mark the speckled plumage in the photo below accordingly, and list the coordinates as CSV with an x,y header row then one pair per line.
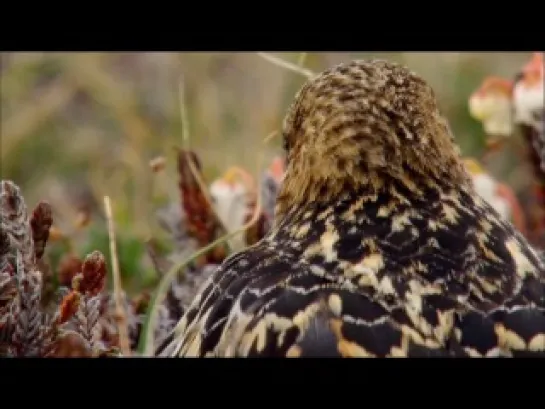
x,y
380,245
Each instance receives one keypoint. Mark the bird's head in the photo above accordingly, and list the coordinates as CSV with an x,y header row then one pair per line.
x,y
366,127
491,105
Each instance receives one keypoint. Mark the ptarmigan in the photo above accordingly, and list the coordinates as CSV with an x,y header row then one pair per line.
x,y
380,246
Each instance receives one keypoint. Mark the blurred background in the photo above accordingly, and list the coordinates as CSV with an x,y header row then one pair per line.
x,y
78,126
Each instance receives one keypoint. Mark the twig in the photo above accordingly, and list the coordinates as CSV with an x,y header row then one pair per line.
x,y
270,136
302,59
183,114
121,316
287,65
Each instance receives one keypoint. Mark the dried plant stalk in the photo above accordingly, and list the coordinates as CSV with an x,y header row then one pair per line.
x,y
87,318
8,293
120,310
147,339
27,335
40,223
202,222
15,221
25,328
287,65
25,321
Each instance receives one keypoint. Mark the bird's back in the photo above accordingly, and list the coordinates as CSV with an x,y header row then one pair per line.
x,y
375,276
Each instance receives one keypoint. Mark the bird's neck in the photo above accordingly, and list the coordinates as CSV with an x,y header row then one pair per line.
x,y
359,214
402,186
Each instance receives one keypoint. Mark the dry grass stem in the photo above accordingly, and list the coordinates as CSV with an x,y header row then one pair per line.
x,y
302,59
183,114
287,65
124,342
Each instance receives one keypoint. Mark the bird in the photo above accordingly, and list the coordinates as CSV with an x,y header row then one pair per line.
x,y
380,245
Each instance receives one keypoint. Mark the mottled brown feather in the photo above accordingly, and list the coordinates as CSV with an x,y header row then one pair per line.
x,y
359,125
